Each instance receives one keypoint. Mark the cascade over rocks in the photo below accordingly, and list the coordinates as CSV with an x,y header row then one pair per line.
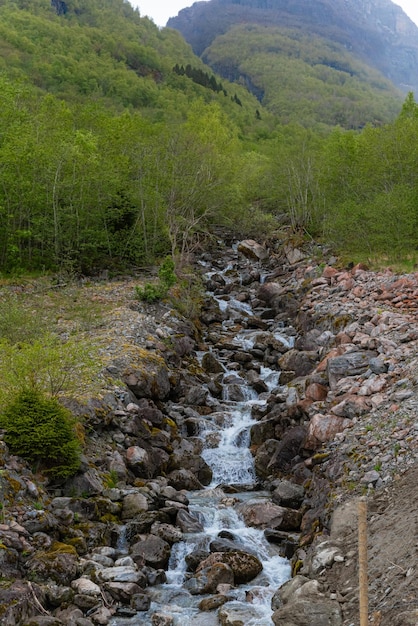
x,y
339,421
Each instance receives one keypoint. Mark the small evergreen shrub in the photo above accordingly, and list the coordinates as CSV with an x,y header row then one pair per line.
x,y
41,430
167,278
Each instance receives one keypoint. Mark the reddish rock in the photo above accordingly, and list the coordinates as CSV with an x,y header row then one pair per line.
x,y
323,428
329,272
316,392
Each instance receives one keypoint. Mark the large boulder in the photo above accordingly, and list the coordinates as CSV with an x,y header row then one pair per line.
x,y
59,564
303,604
348,364
262,513
153,550
323,428
207,579
145,373
245,566
253,250
133,504
287,450
301,362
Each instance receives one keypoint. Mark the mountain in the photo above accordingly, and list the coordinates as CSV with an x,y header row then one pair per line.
x,y
376,31
367,41
104,51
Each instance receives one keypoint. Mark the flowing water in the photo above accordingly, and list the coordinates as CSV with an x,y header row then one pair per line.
x,y
226,437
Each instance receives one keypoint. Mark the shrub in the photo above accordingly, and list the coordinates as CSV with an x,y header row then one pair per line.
x,y
48,365
41,430
167,278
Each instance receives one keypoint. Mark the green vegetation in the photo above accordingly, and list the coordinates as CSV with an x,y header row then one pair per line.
x,y
304,78
151,292
109,159
41,431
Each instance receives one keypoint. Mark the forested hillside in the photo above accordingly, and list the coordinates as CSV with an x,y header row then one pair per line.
x,y
303,78
119,146
377,32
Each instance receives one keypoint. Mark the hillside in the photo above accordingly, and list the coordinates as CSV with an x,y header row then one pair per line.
x,y
102,52
380,34
325,63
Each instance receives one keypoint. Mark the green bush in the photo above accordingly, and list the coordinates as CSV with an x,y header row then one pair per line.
x,y
41,430
167,278
49,365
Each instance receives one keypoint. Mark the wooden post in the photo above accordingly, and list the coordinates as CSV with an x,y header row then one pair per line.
x,y
362,559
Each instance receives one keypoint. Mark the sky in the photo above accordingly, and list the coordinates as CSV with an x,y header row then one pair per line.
x,y
160,10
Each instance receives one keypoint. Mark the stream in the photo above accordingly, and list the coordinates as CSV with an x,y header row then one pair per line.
x,y
225,434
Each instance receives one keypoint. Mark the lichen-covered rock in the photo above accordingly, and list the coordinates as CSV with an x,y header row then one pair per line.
x,y
147,375
245,566
59,564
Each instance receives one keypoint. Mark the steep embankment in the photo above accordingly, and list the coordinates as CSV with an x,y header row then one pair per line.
x,y
339,425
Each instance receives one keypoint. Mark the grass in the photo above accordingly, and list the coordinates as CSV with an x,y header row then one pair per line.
x,y
31,307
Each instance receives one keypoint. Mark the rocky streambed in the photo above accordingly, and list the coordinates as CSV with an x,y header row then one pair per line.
x,y
208,479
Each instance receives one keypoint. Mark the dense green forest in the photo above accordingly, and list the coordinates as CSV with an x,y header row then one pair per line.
x,y
112,157
304,78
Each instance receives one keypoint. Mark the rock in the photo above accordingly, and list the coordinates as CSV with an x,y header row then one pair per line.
x,y
184,459
262,513
245,566
153,550
168,532
349,364
252,250
234,614
161,619
132,504
287,590
149,378
298,361
209,576
264,455
86,587
212,603
288,494
211,365
323,428
188,523
17,603
120,574
194,558
140,602
294,255
196,395
305,605
123,592
324,556
139,462
287,450
59,563
184,479
309,613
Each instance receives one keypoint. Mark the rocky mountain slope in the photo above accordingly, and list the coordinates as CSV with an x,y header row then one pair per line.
x,y
341,424
377,32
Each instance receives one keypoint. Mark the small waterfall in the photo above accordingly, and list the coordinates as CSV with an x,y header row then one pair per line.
x,y
122,545
231,461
